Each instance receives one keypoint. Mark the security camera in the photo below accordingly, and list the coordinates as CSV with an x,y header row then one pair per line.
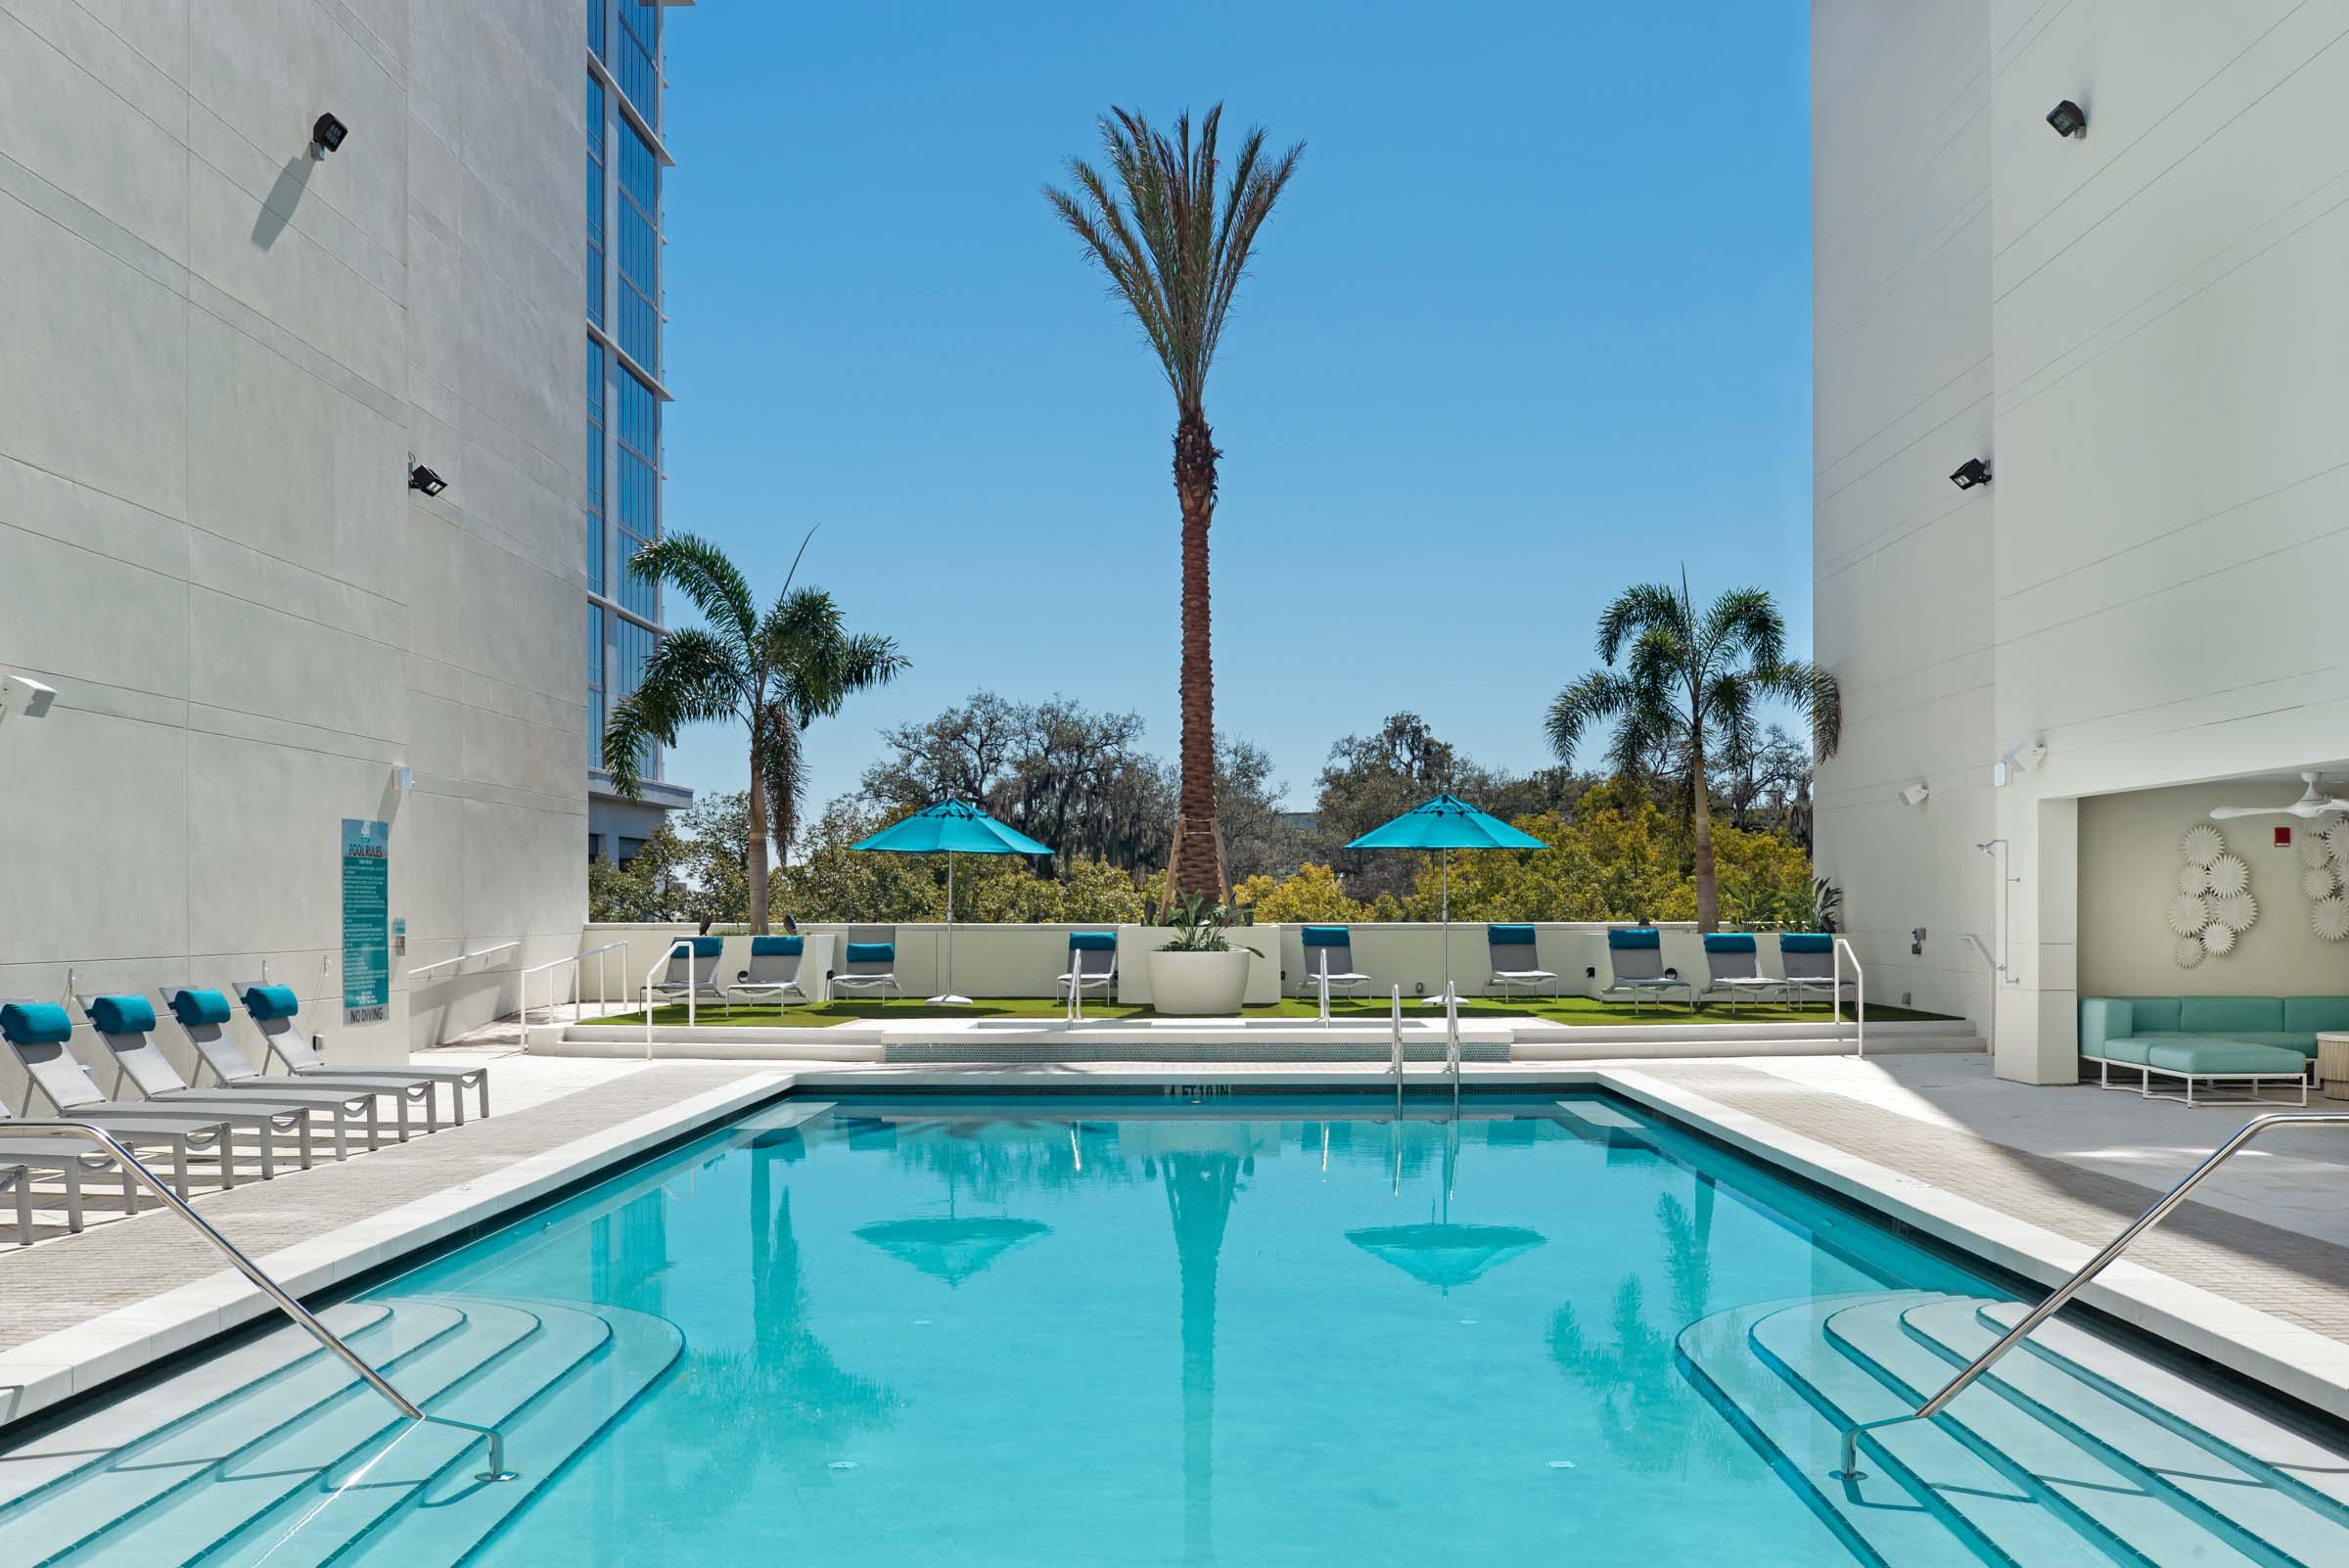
x,y
22,694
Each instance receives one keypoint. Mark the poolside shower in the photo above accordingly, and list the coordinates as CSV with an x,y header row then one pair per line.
x,y
2001,850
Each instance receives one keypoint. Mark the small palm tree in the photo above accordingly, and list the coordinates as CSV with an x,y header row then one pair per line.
x,y
1690,684
776,674
1175,257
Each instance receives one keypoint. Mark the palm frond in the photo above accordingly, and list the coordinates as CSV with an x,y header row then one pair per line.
x,y
1814,692
699,571
1745,621
1640,608
691,676
1589,702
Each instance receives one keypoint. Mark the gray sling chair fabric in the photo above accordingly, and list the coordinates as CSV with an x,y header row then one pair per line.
x,y
1330,947
1734,968
1809,958
283,1038
692,968
123,1026
1514,957
1636,965
352,1103
868,960
59,1078
772,974
1092,962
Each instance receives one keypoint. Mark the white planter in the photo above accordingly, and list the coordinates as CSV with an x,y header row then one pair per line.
x,y
1199,983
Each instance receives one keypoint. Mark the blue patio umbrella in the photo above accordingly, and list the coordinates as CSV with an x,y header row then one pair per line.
x,y
1446,823
950,828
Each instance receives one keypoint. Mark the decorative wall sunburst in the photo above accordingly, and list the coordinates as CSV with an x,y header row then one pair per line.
x,y
2330,918
2229,875
2217,940
2236,911
2189,951
2188,915
2337,842
2193,879
2203,844
2313,849
2320,882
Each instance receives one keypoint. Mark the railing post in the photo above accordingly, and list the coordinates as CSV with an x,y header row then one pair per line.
x,y
1859,998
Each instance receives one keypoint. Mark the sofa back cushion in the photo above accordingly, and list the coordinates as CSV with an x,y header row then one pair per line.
x,y
2103,1019
2311,1015
2153,1015
2227,1015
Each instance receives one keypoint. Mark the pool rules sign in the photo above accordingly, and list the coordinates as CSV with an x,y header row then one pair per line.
x,y
366,921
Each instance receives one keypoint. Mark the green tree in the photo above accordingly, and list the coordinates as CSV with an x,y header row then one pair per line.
x,y
1315,892
1687,683
775,674
1175,258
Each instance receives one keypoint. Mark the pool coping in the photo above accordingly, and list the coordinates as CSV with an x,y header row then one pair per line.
x,y
2297,1361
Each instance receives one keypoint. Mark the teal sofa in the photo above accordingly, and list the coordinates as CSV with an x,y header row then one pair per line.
x,y
2242,1040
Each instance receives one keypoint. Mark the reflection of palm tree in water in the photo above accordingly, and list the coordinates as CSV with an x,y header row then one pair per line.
x,y
1644,1410
1200,1188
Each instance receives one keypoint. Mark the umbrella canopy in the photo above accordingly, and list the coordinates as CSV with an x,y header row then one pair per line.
x,y
1445,1256
951,827
1446,822
950,1248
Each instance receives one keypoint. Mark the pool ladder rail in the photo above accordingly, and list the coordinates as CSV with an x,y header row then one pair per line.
x,y
277,1293
1850,1470
1452,1044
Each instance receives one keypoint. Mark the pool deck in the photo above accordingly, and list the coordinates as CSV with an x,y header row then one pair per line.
x,y
2253,1273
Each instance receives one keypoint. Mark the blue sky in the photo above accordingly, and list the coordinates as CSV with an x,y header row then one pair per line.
x,y
1532,322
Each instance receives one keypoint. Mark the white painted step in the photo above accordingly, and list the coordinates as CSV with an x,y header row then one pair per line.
x,y
2012,1515
2069,1478
1803,1445
88,1440
2159,1442
246,1455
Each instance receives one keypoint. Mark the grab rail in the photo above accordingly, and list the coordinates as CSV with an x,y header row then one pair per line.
x,y
2086,1272
1394,1052
1452,1043
1860,1003
693,987
276,1292
463,957
602,998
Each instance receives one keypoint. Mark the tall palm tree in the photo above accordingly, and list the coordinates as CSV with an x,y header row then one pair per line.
x,y
1690,684
774,673
1175,257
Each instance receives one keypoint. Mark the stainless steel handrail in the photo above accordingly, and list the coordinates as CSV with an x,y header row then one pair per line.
x,y
1858,1002
1394,1052
461,959
2086,1271
1451,1043
276,1292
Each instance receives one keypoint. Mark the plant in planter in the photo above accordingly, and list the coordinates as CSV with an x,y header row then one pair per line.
x,y
1199,972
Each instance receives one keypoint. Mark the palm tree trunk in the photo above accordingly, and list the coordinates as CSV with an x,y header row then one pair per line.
x,y
758,866
1199,857
1708,891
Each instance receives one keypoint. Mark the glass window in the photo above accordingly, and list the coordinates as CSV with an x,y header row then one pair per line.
x,y
638,510
595,466
634,646
595,202
595,686
639,239
595,26
637,46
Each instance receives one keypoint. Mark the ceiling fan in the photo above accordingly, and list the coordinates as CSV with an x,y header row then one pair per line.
x,y
2310,804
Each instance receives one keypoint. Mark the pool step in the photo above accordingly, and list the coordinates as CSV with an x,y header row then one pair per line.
x,y
276,1453
2072,1451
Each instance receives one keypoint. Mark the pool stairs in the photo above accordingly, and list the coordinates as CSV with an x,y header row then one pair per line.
x,y
274,1452
2071,1452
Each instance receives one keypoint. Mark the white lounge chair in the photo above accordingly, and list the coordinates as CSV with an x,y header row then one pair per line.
x,y
692,968
1809,960
273,1009
774,972
1093,963
1516,962
201,1015
1330,950
868,962
1733,969
36,1035
1636,962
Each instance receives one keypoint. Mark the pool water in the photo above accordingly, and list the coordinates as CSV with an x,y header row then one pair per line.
x,y
1160,1332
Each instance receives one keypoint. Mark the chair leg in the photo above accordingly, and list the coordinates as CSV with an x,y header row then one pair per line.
x,y
266,1133
23,1186
73,1196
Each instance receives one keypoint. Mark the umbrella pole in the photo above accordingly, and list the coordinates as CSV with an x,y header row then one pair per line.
x,y
947,998
1437,999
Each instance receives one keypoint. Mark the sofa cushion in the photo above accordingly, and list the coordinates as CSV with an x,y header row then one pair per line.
x,y
2225,1056
2103,1019
2281,1039
2229,1015
2131,1050
2153,1014
2328,1014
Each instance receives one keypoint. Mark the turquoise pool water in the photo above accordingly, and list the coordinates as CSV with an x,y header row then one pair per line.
x,y
1157,1331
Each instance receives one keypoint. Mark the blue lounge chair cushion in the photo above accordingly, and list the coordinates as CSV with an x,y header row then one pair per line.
x,y
1092,942
1730,941
1643,939
123,1015
700,947
195,1008
272,1002
2225,1056
872,952
1806,942
778,946
1330,936
35,1024
1509,936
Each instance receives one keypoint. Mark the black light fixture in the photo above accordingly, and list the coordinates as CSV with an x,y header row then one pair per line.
x,y
423,478
2068,118
326,134
1970,473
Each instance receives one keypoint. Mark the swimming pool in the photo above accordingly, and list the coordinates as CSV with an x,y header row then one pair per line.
x,y
1173,1330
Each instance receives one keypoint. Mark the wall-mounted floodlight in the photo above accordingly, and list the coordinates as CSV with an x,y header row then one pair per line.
x,y
326,134
1916,793
24,695
2068,118
423,479
1970,473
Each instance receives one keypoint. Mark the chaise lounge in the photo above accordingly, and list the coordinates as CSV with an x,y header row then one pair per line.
x,y
2208,1040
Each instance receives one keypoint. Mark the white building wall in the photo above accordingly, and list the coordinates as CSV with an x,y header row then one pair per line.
x,y
2162,548
221,354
